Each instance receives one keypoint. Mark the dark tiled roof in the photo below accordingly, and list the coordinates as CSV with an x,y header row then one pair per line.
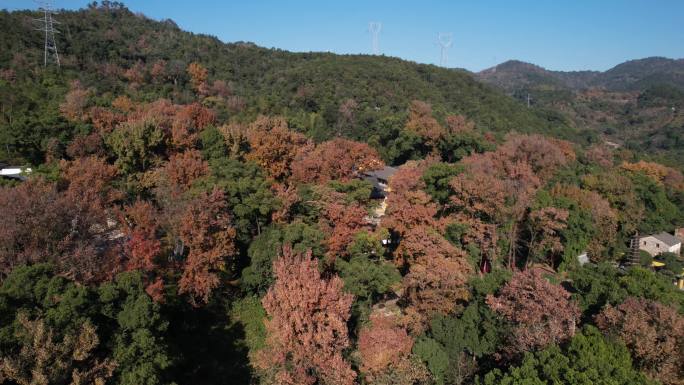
x,y
384,173
667,238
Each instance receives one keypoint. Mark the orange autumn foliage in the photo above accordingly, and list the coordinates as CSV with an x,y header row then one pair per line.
x,y
409,210
206,229
421,122
181,123
68,229
156,290
409,177
187,123
600,154
85,145
104,120
383,343
337,159
274,147
437,278
141,216
339,222
185,167
306,328
544,155
655,171
141,226
89,181
142,251
542,312
198,75
457,124
75,102
654,334
481,196
123,103
158,70
659,173
500,185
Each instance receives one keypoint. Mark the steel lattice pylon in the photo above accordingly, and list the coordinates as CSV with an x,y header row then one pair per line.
x,y
46,24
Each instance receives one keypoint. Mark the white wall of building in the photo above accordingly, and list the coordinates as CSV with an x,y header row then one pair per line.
x,y
655,246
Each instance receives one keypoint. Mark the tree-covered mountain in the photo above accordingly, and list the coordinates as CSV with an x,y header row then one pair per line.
x,y
637,104
633,75
514,74
637,75
112,51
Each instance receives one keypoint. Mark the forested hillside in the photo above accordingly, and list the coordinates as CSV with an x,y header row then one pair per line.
x,y
114,52
208,213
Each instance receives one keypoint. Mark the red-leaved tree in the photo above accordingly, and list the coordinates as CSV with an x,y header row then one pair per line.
x,y
337,159
188,122
306,325
500,185
274,147
437,279
541,312
141,222
75,102
90,181
184,168
545,225
382,344
339,223
422,122
143,246
654,333
206,229
41,224
198,77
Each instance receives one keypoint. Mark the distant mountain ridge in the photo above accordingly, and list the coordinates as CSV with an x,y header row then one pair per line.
x,y
632,75
638,103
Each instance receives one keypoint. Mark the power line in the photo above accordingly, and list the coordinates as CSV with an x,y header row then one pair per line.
x,y
46,24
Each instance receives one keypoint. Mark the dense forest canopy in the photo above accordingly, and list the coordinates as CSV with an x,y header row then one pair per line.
x,y
208,213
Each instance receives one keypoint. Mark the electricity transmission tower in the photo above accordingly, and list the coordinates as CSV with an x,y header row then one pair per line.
x,y
374,28
46,24
445,39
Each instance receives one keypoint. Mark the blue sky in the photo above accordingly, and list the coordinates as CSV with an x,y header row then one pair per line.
x,y
559,35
